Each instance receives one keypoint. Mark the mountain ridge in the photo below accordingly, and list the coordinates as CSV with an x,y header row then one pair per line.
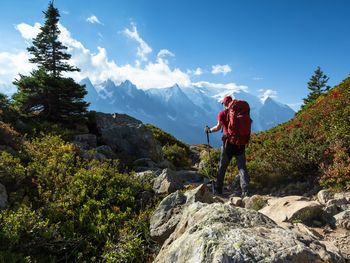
x,y
181,111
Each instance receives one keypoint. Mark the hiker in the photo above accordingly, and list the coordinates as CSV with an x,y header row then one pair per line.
x,y
228,150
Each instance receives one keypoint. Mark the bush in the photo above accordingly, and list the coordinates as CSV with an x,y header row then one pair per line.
x,y
77,210
302,150
177,155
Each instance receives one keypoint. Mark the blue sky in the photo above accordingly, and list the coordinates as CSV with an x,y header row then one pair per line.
x,y
268,47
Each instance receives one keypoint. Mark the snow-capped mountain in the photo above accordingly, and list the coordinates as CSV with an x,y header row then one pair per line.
x,y
181,111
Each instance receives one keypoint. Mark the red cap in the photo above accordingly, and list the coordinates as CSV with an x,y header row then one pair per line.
x,y
226,100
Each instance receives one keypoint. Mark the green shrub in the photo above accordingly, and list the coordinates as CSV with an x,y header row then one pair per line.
x,y
177,155
78,210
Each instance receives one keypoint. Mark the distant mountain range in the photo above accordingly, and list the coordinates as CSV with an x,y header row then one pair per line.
x,y
181,111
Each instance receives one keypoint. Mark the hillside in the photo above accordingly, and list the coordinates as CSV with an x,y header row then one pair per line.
x,y
92,189
312,148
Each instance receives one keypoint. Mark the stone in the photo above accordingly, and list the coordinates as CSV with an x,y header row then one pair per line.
x,y
324,196
167,215
293,208
166,164
144,162
128,136
167,182
189,176
106,151
236,201
3,197
341,195
86,139
223,233
343,219
255,202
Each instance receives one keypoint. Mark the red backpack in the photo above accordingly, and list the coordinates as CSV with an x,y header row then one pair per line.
x,y
239,122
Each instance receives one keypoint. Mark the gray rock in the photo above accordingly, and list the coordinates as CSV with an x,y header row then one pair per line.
x,y
293,208
167,182
341,195
223,233
324,196
166,164
167,215
92,155
86,139
106,151
189,176
343,219
144,162
256,202
3,197
128,136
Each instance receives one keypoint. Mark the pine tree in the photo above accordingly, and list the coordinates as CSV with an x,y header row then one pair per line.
x,y
48,51
45,93
317,86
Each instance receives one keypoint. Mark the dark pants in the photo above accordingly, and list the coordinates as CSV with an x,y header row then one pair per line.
x,y
227,152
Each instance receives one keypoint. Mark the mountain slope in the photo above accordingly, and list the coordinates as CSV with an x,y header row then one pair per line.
x,y
183,112
313,147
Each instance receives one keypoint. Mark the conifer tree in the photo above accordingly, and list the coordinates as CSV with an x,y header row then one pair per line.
x,y
317,86
46,93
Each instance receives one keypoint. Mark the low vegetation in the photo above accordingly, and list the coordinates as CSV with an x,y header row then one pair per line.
x,y
64,208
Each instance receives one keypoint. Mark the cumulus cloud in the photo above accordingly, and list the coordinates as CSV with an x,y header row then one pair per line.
x,y
164,53
143,49
197,72
93,20
221,69
97,65
11,64
265,93
28,32
224,86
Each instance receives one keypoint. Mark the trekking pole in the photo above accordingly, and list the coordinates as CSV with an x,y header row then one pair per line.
x,y
210,163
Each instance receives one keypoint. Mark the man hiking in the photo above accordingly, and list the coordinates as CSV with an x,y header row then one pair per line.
x,y
232,146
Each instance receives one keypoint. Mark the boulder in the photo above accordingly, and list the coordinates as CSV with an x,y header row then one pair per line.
x,y
343,219
223,233
168,214
236,201
293,208
256,202
188,176
3,197
106,151
167,182
144,162
128,136
86,140
341,195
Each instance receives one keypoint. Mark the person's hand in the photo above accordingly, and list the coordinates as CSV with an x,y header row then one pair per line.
x,y
207,129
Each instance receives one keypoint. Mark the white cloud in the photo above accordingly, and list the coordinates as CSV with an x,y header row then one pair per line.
x,y
143,49
228,86
98,66
93,20
10,65
197,72
258,78
164,52
265,93
28,32
295,106
221,69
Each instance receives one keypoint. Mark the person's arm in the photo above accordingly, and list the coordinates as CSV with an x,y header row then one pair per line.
x,y
216,128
